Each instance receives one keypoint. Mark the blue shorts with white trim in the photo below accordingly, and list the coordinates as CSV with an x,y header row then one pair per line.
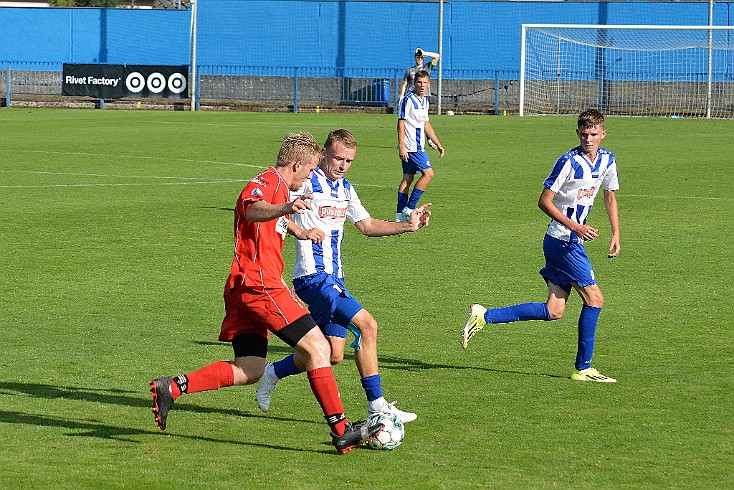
x,y
329,302
566,263
417,161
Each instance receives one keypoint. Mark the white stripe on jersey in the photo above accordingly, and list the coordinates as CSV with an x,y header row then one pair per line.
x,y
414,111
576,181
333,203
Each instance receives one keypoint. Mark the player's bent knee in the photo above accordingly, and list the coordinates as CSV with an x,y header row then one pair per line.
x,y
556,313
337,358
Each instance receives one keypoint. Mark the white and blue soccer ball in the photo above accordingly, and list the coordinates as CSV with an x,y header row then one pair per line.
x,y
391,436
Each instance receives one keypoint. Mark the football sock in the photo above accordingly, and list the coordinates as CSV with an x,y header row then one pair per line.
x,y
211,377
587,330
372,387
285,367
516,313
402,201
415,196
326,391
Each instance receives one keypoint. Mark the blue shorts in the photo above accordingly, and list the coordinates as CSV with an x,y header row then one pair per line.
x,y
566,263
329,302
417,161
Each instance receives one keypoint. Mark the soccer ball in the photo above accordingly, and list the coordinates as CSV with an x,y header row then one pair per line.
x,y
391,436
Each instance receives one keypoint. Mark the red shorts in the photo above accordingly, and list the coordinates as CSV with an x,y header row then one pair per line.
x,y
259,311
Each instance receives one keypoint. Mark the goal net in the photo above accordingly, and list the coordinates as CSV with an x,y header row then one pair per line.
x,y
673,71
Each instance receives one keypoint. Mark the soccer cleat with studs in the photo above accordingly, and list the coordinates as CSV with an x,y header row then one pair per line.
x,y
591,374
162,399
474,323
355,435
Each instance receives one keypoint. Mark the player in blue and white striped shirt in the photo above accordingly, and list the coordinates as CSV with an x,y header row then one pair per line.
x,y
413,127
568,197
318,276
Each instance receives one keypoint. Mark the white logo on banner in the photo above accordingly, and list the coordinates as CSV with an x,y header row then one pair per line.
x,y
156,83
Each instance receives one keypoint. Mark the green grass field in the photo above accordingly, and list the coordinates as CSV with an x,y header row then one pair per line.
x,y
116,239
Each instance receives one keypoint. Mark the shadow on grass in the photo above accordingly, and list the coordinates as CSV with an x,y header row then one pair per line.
x,y
128,398
103,431
404,364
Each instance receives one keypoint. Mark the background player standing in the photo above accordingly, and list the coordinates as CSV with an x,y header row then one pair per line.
x,y
413,128
318,276
420,65
567,197
258,302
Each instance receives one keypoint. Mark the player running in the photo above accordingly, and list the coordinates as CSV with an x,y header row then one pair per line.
x,y
567,199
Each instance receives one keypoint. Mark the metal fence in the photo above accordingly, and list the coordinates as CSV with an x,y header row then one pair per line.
x,y
294,88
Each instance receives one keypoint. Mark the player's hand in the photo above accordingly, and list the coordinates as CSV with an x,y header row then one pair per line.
x,y
587,233
403,154
420,217
314,234
436,147
301,204
614,248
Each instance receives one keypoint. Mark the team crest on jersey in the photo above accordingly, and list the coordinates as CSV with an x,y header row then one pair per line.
x,y
256,192
260,181
332,212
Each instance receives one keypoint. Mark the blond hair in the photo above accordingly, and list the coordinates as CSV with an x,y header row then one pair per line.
x,y
340,136
297,147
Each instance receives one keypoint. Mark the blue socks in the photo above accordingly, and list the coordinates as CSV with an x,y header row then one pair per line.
x,y
285,367
587,330
516,313
411,202
372,387
415,196
539,311
402,202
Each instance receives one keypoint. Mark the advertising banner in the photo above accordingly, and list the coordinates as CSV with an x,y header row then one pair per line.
x,y
117,81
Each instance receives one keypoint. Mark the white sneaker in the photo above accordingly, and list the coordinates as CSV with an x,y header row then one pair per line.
x,y
404,417
265,387
591,374
400,218
406,212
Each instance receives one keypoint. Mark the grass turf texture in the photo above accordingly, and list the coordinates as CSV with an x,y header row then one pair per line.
x,y
116,239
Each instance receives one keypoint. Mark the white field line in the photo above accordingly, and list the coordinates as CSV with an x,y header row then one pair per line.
x,y
142,157
173,180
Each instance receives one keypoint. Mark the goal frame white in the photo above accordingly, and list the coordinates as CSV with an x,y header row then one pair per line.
x,y
523,45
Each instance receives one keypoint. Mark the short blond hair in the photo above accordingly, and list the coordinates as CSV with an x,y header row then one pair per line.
x,y
341,136
297,147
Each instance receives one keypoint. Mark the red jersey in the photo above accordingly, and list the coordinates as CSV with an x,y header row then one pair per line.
x,y
258,247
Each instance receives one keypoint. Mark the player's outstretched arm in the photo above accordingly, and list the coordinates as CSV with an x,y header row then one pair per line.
x,y
377,227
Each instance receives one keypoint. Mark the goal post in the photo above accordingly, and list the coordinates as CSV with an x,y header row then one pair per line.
x,y
631,70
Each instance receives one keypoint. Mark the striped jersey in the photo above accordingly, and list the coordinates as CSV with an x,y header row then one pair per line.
x,y
414,110
576,181
333,203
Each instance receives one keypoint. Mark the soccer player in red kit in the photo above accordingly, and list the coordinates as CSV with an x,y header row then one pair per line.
x,y
257,301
